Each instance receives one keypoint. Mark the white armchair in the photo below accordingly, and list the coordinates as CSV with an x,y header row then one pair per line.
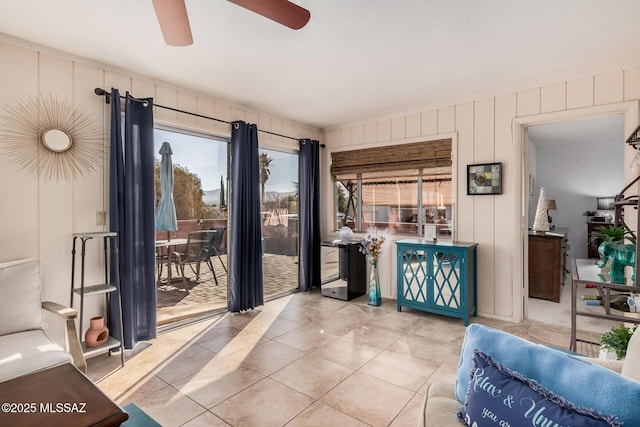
x,y
24,345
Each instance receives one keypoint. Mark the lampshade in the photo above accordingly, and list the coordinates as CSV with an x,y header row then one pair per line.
x,y
550,205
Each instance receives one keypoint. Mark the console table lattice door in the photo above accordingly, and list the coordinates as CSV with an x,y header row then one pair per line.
x,y
437,277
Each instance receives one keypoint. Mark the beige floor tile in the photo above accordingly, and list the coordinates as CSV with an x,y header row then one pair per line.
x,y
312,375
206,419
167,406
303,314
348,353
419,347
218,330
370,334
322,415
408,417
397,369
213,385
439,329
308,342
337,325
271,326
266,403
225,344
368,399
184,363
306,338
123,382
270,356
393,320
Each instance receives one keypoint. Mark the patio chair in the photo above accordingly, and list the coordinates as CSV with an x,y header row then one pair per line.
x,y
197,250
219,245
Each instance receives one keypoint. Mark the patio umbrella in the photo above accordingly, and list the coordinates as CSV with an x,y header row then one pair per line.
x,y
166,212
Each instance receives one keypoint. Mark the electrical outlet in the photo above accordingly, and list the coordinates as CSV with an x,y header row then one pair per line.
x,y
100,217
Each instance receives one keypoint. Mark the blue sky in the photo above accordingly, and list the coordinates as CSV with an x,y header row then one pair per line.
x,y
207,158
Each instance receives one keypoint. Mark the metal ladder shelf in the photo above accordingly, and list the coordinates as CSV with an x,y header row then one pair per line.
x,y
110,288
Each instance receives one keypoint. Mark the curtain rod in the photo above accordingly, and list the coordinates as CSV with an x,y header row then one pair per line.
x,y
101,92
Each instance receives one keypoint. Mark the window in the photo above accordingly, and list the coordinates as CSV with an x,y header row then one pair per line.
x,y
200,177
400,187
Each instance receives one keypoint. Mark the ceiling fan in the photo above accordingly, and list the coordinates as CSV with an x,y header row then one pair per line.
x,y
174,22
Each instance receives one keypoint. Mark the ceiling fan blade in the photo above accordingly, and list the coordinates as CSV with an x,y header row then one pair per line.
x,y
282,11
174,22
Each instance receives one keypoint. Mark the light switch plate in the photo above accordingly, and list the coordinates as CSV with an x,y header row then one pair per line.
x,y
100,217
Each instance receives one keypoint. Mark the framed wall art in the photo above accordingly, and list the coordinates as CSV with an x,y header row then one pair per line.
x,y
485,178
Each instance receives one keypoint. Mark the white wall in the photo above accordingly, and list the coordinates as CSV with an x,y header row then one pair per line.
x,y
574,174
39,216
489,130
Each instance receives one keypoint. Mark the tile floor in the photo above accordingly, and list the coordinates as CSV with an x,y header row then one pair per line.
x,y
301,360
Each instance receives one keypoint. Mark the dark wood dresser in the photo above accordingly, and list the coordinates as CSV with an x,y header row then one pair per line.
x,y
547,263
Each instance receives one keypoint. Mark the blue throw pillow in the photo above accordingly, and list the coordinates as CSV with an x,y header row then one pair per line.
x,y
577,381
499,397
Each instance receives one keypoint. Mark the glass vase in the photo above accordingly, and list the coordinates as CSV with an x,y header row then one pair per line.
x,y
374,284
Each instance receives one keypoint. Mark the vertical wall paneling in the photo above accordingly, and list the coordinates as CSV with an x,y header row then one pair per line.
x,y
383,130
504,253
580,93
608,88
167,96
187,102
357,135
429,123
465,209
446,120
205,107
413,125
370,132
553,98
55,196
277,127
484,206
237,114
346,136
264,123
249,117
39,216
528,102
222,111
19,207
86,200
501,242
398,128
631,84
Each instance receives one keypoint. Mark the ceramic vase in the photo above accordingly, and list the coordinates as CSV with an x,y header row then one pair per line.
x,y
374,284
97,334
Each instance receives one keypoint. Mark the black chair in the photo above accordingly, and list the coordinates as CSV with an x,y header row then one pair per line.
x,y
197,250
218,247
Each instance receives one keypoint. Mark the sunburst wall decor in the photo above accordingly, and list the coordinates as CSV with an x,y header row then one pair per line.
x,y
51,138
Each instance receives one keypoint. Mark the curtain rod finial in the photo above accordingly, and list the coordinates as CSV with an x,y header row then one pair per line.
x,y
100,92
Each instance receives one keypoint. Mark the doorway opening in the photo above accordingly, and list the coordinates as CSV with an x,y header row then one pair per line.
x,y
573,163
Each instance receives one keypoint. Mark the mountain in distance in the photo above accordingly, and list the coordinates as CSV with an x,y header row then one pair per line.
x,y
212,197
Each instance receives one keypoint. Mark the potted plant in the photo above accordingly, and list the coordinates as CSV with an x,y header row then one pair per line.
x,y
611,234
616,341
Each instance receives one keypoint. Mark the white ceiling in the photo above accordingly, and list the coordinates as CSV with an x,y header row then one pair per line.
x,y
355,60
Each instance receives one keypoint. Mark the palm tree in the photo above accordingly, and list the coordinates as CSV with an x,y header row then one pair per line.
x,y
223,204
264,162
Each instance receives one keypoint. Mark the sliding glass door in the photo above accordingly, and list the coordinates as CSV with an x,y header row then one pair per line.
x,y
279,212
189,284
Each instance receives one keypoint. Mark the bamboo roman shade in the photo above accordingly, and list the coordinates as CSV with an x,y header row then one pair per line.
x,y
416,155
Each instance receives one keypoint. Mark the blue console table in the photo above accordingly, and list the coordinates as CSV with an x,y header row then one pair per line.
x,y
437,277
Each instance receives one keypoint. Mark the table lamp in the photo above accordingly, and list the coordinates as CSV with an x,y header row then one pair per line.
x,y
550,205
